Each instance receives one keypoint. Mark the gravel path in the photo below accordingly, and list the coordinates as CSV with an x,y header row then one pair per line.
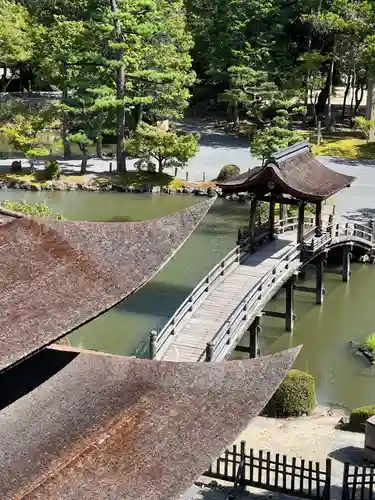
x,y
312,438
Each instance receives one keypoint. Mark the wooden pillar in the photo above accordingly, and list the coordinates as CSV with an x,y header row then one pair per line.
x,y
320,280
152,345
301,221
254,332
271,220
346,255
282,213
289,304
318,219
252,220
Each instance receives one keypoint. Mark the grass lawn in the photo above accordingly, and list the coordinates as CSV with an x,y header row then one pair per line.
x,y
347,147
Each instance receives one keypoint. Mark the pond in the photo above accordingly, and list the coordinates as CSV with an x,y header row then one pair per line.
x,y
348,312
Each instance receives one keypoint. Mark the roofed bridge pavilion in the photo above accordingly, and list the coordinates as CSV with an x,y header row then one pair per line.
x,y
294,177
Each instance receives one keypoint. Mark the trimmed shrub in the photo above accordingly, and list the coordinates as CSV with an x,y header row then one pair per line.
x,y
52,170
227,172
295,396
358,417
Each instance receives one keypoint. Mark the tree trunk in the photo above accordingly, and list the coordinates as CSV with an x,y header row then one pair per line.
x,y
99,146
313,108
322,98
358,97
85,158
329,103
236,115
348,84
120,94
160,167
139,115
65,123
370,105
352,99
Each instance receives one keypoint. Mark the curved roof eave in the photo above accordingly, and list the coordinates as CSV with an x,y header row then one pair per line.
x,y
58,275
109,427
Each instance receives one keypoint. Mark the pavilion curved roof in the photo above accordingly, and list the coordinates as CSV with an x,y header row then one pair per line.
x,y
111,427
57,275
294,171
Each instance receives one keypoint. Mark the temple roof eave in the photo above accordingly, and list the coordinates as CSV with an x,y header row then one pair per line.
x,y
294,171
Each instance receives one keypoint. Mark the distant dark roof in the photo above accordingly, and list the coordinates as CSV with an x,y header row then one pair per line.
x,y
294,171
111,428
57,275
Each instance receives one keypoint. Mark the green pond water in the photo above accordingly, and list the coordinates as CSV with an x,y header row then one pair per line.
x,y
348,312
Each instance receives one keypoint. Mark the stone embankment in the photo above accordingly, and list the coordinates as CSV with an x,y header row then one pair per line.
x,y
92,186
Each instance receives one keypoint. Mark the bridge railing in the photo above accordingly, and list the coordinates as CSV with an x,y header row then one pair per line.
x,y
203,287
291,224
361,231
239,317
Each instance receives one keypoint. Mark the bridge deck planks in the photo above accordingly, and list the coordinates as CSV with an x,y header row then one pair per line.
x,y
191,337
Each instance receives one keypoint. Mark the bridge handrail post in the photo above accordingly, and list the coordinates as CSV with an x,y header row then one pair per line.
x,y
372,226
209,351
152,345
330,224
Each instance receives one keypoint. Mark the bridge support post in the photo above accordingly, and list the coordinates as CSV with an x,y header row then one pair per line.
x,y
152,345
346,272
254,332
320,280
289,304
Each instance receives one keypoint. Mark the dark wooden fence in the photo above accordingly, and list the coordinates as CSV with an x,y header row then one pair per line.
x,y
358,482
273,472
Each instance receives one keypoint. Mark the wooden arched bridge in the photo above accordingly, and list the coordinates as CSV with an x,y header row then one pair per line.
x,y
232,297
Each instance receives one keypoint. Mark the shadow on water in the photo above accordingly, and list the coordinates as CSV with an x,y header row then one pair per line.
x,y
129,323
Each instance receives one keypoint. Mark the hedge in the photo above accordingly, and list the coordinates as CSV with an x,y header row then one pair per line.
x,y
358,417
295,396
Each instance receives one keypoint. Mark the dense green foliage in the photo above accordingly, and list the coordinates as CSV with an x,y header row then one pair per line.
x,y
120,63
40,209
295,396
358,417
228,171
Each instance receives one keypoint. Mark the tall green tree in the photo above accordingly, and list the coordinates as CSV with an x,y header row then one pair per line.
x,y
16,40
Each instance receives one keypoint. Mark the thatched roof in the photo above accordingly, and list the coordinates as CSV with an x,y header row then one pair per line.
x,y
293,171
110,428
57,275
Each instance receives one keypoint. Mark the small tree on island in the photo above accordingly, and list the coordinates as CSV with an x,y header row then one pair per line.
x,y
24,134
167,148
83,142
